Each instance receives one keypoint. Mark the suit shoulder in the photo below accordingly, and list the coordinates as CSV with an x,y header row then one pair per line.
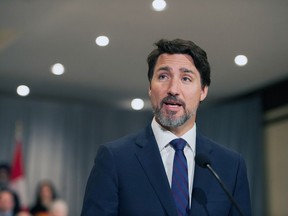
x,y
217,148
125,141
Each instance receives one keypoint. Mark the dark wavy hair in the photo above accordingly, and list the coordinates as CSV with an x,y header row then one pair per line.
x,y
179,46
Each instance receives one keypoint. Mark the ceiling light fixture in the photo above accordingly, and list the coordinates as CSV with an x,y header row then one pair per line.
x,y
241,60
137,104
159,5
57,69
102,41
23,90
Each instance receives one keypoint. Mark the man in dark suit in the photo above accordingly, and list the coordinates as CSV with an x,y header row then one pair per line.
x,y
5,175
6,203
148,173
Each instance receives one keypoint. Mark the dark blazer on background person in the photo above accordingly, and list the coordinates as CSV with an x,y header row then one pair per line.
x,y
129,179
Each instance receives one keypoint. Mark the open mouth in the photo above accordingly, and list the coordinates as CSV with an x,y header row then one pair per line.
x,y
172,103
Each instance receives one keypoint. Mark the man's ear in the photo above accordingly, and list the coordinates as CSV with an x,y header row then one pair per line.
x,y
149,90
204,93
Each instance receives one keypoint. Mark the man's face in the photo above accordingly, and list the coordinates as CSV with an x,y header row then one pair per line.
x,y
175,91
6,201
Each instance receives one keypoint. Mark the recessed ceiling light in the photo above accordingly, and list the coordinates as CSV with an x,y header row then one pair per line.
x,y
57,69
102,41
159,5
137,104
23,90
241,60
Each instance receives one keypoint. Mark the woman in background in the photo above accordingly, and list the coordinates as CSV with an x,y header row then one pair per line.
x,y
45,195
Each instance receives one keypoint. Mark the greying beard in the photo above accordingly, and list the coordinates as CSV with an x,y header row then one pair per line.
x,y
170,120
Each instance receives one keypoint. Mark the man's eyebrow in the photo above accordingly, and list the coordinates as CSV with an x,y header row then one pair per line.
x,y
164,68
185,70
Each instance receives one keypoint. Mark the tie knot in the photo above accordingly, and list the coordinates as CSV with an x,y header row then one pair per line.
x,y
178,144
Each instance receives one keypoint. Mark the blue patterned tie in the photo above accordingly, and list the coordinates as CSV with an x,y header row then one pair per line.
x,y
180,189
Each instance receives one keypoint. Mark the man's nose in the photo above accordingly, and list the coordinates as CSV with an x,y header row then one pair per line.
x,y
173,87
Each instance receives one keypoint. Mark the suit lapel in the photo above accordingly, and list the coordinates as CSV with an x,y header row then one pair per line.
x,y
202,180
151,162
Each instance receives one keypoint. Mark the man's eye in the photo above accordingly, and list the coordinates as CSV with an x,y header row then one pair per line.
x,y
162,77
187,79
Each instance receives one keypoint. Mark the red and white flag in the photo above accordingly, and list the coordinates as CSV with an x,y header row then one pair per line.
x,y
18,183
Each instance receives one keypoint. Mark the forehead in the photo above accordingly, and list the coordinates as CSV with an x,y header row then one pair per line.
x,y
5,195
177,59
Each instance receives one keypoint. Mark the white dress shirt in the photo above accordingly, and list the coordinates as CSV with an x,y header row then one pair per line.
x,y
163,138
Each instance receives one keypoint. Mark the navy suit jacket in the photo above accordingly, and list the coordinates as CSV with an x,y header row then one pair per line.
x,y
129,179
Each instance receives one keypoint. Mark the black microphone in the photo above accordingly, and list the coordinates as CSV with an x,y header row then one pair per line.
x,y
203,161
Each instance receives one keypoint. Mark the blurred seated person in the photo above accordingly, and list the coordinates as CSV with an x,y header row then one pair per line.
x,y
6,203
5,172
45,195
58,208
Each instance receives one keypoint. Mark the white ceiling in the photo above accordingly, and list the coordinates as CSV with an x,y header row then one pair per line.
x,y
34,34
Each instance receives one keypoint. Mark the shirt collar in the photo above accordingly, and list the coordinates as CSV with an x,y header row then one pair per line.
x,y
164,137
